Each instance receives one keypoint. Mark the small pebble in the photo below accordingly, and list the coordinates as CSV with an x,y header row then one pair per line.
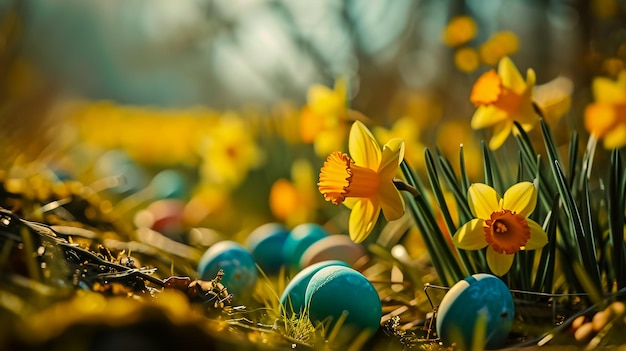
x,y
600,320
584,333
579,321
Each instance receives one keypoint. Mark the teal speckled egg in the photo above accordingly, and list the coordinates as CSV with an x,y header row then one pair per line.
x,y
335,290
292,298
299,239
240,272
266,243
479,296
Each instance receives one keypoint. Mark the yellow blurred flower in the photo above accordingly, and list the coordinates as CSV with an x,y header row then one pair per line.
x,y
365,182
229,151
554,98
606,117
499,45
408,129
502,98
294,202
323,118
450,136
459,30
466,59
502,224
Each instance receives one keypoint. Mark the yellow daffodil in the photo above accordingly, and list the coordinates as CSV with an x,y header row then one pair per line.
x,y
459,30
229,151
502,98
364,182
606,117
294,201
498,46
408,129
501,223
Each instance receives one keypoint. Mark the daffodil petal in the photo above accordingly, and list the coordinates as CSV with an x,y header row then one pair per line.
x,y
538,237
362,220
499,264
349,202
615,138
521,198
500,133
607,91
531,78
471,235
392,155
363,147
487,116
483,200
511,78
391,201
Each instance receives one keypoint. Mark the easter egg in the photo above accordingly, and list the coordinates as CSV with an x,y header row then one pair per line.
x,y
168,184
480,298
164,216
299,239
266,243
292,298
116,164
334,291
240,273
333,247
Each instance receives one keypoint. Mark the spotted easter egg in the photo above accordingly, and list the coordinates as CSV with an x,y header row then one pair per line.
x,y
299,239
333,247
266,243
334,291
292,298
240,272
480,298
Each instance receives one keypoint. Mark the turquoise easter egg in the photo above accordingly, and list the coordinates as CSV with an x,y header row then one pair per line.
x,y
479,298
169,184
299,239
336,290
240,273
266,243
292,298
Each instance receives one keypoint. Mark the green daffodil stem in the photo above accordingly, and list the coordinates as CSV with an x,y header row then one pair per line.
x,y
443,259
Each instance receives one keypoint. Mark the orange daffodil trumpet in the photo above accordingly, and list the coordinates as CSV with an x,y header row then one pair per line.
x,y
502,224
363,181
502,98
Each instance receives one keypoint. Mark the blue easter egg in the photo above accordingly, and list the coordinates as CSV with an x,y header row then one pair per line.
x,y
481,296
299,239
336,290
292,298
240,273
266,243
169,184
118,165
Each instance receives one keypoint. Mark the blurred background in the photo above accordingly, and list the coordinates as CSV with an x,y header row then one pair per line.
x,y
212,92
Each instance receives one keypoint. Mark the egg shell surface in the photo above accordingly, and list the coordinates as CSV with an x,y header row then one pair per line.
x,y
266,244
335,289
300,238
292,298
240,272
478,296
333,247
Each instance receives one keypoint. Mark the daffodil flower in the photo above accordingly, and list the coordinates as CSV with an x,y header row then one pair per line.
x,y
502,98
502,224
364,182
606,117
